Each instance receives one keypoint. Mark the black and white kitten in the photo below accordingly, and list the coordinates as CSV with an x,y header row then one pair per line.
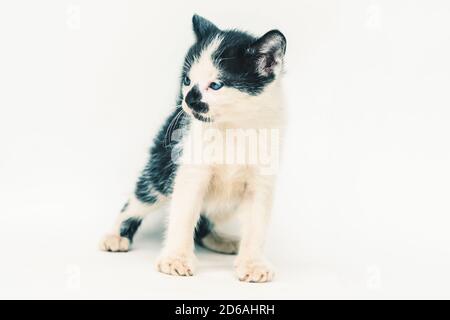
x,y
230,81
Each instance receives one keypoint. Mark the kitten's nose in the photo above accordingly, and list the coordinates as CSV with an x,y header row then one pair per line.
x,y
193,100
193,96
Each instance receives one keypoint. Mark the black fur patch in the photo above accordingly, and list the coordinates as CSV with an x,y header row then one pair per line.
x,y
194,100
204,227
129,227
159,173
202,27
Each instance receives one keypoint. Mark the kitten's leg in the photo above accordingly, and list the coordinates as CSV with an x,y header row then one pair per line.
x,y
255,214
128,222
177,257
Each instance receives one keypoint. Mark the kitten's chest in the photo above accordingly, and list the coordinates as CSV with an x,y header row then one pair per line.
x,y
227,188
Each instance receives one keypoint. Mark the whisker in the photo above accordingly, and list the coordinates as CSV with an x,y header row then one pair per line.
x,y
170,127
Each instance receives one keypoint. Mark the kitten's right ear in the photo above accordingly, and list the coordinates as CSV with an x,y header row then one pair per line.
x,y
202,27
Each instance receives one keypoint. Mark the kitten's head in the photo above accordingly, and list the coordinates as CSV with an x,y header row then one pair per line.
x,y
226,68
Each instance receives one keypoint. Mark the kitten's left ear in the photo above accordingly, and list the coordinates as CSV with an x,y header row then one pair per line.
x,y
202,27
269,51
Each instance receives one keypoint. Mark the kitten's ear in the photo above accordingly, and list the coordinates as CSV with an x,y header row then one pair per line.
x,y
202,27
269,52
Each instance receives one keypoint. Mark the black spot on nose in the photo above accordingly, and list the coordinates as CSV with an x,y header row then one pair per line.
x,y
193,96
194,100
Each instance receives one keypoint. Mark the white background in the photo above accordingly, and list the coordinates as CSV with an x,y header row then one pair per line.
x,y
362,208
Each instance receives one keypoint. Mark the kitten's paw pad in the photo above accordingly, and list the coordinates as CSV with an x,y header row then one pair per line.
x,y
254,271
176,265
114,243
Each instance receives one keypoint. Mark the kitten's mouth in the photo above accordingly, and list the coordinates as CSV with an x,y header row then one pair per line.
x,y
197,115
201,117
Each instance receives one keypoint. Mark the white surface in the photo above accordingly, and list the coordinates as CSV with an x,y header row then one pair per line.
x,y
362,207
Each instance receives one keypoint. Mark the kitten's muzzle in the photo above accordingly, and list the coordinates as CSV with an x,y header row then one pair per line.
x,y
193,101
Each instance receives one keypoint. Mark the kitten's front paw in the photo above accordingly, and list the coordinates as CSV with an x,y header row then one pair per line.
x,y
257,271
177,265
114,243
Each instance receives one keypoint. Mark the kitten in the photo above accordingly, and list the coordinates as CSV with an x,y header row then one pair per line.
x,y
230,84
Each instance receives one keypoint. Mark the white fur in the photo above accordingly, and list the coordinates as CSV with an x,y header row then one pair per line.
x,y
114,243
224,190
203,71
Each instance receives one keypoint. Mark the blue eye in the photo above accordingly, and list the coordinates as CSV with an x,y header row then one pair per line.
x,y
186,81
216,85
